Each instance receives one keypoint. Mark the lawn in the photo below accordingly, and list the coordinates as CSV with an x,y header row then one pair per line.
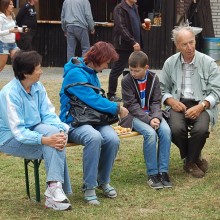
x,y
189,198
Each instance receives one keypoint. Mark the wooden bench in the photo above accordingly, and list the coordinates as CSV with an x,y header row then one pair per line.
x,y
35,164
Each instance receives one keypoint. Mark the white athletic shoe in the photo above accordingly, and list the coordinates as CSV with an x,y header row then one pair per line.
x,y
56,193
50,203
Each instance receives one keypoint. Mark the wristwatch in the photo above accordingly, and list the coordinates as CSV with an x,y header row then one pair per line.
x,y
204,105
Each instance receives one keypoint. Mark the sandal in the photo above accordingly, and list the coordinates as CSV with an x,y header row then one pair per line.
x,y
90,196
92,200
108,191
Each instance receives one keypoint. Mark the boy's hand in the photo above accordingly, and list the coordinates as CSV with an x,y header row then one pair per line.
x,y
155,123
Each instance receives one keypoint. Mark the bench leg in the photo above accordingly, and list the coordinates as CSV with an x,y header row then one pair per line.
x,y
36,164
37,180
26,162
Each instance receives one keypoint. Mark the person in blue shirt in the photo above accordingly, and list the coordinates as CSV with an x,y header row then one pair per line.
x,y
100,143
30,128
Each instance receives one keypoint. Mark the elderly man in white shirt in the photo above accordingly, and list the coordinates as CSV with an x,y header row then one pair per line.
x,y
190,85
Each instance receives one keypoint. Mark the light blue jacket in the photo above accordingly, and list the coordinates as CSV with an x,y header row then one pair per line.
x,y
78,13
20,111
205,81
79,72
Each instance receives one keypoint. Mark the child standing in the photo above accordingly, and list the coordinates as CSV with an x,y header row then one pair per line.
x,y
142,97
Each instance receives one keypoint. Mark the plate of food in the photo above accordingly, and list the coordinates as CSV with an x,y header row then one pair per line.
x,y
121,130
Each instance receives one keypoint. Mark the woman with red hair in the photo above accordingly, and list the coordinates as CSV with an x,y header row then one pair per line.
x,y
100,143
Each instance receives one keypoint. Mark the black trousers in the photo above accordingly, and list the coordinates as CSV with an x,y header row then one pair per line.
x,y
116,71
26,41
187,134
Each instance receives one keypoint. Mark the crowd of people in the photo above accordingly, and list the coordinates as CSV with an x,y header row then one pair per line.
x,y
178,105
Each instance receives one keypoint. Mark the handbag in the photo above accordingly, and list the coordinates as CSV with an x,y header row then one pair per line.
x,y
83,114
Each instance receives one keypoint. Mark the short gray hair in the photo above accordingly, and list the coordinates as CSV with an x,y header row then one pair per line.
x,y
177,30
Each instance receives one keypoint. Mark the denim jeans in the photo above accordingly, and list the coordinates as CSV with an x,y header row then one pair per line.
x,y
6,48
156,158
76,34
101,145
54,160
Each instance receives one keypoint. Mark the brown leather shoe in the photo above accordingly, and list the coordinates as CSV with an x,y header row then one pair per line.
x,y
194,170
203,165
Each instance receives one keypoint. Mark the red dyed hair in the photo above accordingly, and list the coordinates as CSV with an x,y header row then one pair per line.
x,y
100,53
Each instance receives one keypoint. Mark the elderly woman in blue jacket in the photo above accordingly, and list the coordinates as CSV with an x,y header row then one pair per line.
x,y
100,143
30,128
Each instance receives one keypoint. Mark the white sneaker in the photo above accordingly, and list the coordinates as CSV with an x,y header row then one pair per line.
x,y
56,193
50,203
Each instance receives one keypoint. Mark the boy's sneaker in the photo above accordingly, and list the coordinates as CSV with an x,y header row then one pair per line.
x,y
50,203
165,180
154,182
56,193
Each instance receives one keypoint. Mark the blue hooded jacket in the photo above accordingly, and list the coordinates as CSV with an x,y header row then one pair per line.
x,y
20,112
77,71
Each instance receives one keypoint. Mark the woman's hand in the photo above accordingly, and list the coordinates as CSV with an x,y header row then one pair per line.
x,y
123,112
57,141
13,30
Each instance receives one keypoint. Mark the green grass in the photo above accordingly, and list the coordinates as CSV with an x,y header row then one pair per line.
x,y
190,198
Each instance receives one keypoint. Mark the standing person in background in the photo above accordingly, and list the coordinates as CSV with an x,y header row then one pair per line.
x,y
126,39
77,22
7,32
27,16
190,85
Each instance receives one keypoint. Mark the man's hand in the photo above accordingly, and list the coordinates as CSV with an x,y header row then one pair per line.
x,y
145,28
194,112
176,105
137,47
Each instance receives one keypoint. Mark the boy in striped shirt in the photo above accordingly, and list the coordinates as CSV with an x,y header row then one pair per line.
x,y
142,97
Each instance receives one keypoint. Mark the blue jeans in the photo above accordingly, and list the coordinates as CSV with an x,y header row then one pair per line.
x,y
101,145
156,159
55,160
76,34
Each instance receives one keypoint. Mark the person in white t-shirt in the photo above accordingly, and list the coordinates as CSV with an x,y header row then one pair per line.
x,y
8,29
